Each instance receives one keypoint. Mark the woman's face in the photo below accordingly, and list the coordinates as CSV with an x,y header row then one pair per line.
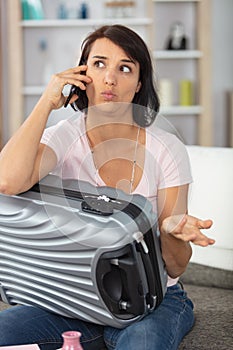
x,y
115,77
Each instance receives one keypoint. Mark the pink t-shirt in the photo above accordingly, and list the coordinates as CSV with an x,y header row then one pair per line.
x,y
166,159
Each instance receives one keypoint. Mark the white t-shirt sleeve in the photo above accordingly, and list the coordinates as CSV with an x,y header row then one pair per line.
x,y
174,164
59,137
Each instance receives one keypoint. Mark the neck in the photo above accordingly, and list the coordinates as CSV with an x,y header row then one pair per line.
x,y
114,131
103,124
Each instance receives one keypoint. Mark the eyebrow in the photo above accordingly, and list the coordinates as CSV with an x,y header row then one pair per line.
x,y
127,60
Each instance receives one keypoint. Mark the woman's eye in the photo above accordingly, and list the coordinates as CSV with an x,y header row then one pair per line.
x,y
99,64
125,69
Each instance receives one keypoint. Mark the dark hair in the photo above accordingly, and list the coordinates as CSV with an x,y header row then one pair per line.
x,y
136,49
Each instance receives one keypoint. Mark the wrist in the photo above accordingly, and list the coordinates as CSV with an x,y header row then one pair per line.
x,y
46,104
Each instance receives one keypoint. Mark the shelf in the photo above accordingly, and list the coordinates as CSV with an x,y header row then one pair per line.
x,y
179,54
38,90
181,110
32,90
195,60
170,110
84,22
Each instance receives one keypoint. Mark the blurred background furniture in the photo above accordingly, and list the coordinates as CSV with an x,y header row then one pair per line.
x,y
52,44
209,277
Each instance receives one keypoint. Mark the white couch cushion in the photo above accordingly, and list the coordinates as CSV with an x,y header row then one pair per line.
x,y
211,196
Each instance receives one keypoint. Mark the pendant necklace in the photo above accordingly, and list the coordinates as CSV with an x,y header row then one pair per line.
x,y
134,162
131,181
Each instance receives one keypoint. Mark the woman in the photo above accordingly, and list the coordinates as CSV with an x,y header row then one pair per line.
x,y
113,142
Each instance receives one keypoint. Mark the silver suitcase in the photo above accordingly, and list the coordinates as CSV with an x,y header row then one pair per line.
x,y
81,252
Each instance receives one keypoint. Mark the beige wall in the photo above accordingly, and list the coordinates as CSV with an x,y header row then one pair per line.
x,y
1,79
11,68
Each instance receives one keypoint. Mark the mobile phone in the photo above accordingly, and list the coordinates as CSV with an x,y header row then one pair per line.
x,y
75,90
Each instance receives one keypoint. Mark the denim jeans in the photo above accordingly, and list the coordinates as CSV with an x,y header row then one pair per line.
x,y
162,329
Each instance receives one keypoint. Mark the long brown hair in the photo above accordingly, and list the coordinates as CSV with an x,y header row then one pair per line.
x,y
136,49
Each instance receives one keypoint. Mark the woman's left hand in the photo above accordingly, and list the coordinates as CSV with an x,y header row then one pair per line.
x,y
188,229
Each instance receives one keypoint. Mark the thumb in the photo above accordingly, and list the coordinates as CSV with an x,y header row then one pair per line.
x,y
73,98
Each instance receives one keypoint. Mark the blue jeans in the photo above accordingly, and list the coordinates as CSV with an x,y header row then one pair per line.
x,y
162,329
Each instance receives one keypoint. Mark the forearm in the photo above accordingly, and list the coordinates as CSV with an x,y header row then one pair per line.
x,y
176,254
17,158
21,161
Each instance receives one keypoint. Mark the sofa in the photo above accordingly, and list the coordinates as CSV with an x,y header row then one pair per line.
x,y
209,276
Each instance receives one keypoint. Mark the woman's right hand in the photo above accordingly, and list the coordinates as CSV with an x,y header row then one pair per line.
x,y
53,93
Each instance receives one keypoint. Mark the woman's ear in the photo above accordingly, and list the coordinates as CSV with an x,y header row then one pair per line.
x,y
138,87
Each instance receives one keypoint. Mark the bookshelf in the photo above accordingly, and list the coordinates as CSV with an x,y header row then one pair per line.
x,y
25,81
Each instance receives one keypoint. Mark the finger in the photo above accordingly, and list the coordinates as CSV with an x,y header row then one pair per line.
x,y
79,80
79,73
193,234
186,237
204,224
81,77
72,74
202,240
204,243
75,70
78,83
74,98
81,68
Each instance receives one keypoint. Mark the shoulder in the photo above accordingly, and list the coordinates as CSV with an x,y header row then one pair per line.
x,y
62,136
164,141
169,152
72,127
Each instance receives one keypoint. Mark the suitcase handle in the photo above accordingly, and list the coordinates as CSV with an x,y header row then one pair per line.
x,y
120,283
142,247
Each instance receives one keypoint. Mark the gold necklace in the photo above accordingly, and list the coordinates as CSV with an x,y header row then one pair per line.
x,y
131,182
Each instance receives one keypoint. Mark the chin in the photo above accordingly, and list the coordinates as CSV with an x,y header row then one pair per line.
x,y
112,108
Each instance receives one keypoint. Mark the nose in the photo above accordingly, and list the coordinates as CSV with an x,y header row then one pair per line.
x,y
110,77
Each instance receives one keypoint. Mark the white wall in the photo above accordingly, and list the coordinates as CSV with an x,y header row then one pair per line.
x,y
222,65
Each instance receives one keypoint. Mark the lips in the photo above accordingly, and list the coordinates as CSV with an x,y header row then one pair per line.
x,y
108,95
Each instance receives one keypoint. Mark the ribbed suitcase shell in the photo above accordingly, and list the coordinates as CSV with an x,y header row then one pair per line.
x,y
81,252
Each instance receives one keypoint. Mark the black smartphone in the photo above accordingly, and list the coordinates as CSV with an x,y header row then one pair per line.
x,y
75,90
